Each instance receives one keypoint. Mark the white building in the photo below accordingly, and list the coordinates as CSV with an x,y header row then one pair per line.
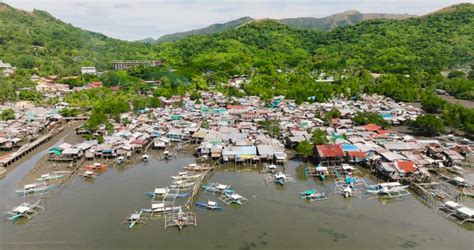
x,y
88,70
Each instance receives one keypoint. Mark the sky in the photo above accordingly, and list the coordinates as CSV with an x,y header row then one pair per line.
x,y
138,19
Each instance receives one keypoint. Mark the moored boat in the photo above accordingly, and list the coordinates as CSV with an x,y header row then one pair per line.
x,y
49,177
35,188
163,192
211,205
24,210
160,208
96,167
313,194
133,219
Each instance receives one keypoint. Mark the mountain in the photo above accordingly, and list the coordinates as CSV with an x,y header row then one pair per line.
x,y
325,23
337,20
215,28
38,41
146,40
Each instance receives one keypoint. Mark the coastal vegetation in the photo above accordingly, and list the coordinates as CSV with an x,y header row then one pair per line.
x,y
401,59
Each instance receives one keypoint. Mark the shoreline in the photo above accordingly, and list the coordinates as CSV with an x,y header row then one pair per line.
x,y
68,130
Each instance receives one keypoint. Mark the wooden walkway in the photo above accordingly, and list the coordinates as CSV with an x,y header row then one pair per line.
x,y
197,186
25,149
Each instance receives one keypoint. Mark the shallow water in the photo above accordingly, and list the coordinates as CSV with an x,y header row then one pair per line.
x,y
87,215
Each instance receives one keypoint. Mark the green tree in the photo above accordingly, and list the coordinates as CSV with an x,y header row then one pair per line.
x,y
7,114
304,149
456,74
428,125
319,137
432,104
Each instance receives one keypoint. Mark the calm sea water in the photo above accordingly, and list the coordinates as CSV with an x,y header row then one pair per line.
x,y
87,215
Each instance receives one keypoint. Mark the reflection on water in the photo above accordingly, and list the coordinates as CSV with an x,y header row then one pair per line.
x,y
86,215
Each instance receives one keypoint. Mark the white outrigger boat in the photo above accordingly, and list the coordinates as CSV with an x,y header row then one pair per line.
x,y
24,210
35,188
182,184
216,188
164,192
279,178
185,176
388,189
88,174
196,168
458,181
145,158
211,205
50,177
457,211
272,168
120,159
167,155
134,219
160,208
313,194
232,197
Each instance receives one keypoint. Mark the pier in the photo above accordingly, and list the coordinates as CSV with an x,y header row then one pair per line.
x,y
197,186
27,148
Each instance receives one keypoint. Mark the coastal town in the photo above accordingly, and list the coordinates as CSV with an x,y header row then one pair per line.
x,y
245,125
222,131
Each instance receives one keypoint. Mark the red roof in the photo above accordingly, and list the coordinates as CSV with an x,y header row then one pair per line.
x,y
234,107
356,154
386,131
406,166
330,150
371,127
115,88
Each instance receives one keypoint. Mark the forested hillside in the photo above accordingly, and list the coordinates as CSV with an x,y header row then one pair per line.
x,y
38,40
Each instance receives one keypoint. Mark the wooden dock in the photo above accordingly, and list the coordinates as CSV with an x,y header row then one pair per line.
x,y
197,186
25,149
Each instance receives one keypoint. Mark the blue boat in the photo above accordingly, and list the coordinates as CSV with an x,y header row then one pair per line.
x,y
211,205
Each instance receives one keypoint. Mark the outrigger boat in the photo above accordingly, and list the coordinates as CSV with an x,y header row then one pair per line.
x,y
182,184
49,177
25,210
217,188
458,181
348,169
88,174
279,178
232,197
163,192
313,194
196,168
160,208
167,155
322,172
34,188
211,205
134,219
120,159
181,219
389,189
457,211
185,176
272,168
96,167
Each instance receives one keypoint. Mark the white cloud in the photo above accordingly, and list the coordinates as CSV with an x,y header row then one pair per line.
x,y
139,19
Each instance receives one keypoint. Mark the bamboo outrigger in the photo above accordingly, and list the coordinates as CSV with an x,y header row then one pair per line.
x,y
134,219
180,219
24,210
